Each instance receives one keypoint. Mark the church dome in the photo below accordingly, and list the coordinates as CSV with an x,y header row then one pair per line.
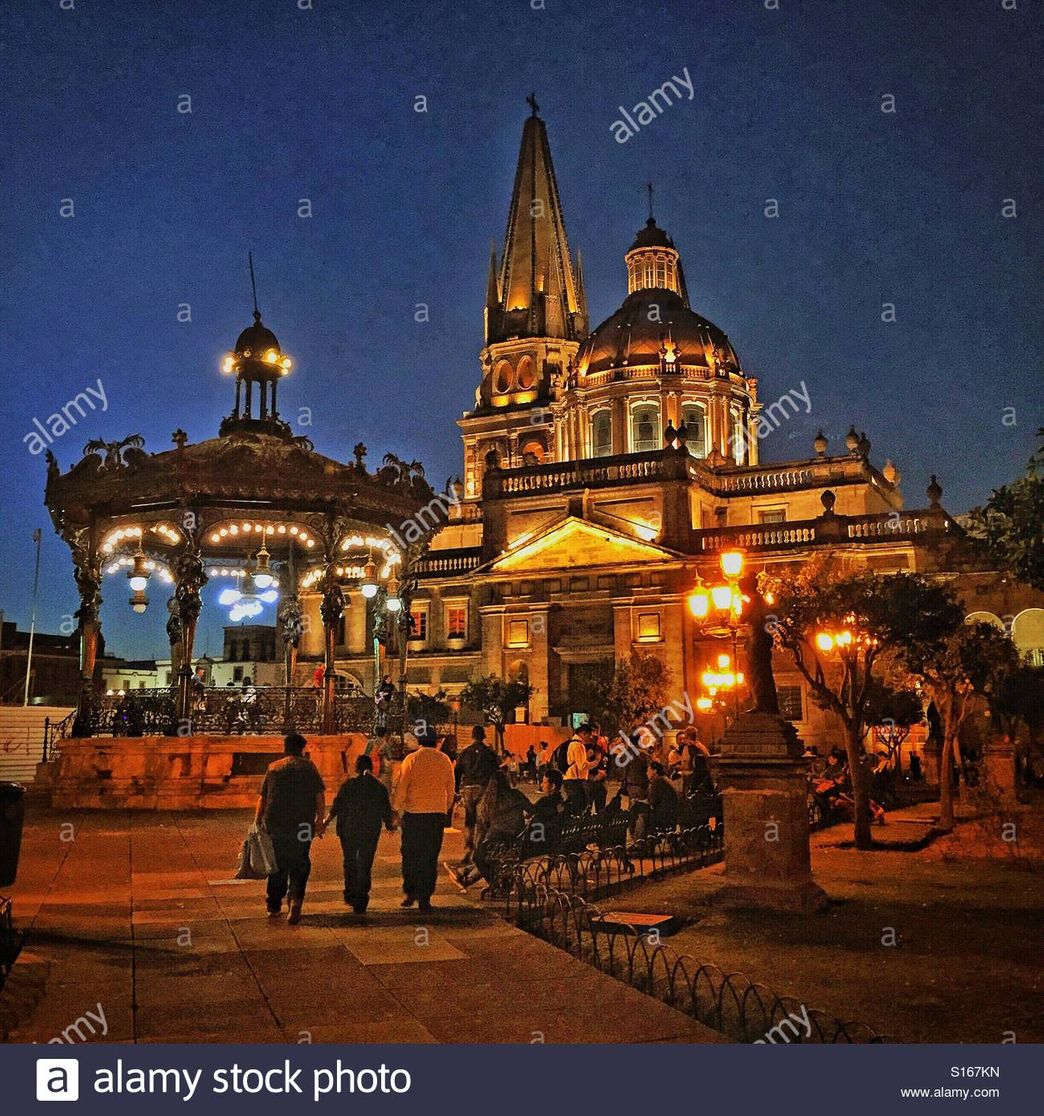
x,y
256,339
652,236
655,323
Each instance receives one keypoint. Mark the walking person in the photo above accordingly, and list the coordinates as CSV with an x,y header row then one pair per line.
x,y
360,807
291,808
423,799
477,764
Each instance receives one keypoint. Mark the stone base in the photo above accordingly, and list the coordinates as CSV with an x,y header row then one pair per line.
x,y
806,898
181,772
765,796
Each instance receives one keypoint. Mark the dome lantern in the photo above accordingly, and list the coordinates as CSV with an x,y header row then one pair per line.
x,y
257,359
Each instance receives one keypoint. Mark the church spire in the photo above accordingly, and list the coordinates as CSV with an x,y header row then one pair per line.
x,y
537,290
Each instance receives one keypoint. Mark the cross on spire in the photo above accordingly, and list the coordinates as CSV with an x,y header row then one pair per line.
x,y
649,189
532,102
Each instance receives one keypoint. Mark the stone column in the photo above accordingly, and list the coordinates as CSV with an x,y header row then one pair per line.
x,y
189,578
1000,765
763,780
330,608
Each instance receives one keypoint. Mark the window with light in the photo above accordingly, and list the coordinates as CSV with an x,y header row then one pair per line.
x,y
645,428
602,434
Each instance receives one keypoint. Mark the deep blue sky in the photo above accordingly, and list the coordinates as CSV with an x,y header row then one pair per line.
x,y
289,104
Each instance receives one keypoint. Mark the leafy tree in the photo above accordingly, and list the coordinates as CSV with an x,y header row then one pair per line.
x,y
973,662
496,699
870,615
892,712
1010,524
427,710
636,689
1019,699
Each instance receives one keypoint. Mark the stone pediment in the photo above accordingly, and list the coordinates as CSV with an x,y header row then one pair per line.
x,y
574,543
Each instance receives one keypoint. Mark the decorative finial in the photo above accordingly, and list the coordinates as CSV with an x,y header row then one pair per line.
x,y
649,189
179,438
532,102
253,285
828,499
934,491
852,440
669,434
820,444
360,456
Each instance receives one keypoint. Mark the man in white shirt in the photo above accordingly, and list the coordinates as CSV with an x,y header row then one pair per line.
x,y
423,798
578,767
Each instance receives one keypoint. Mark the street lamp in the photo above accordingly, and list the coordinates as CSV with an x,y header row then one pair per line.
x,y
262,569
138,574
368,585
723,601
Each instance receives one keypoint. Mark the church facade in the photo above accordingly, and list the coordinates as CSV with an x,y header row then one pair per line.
x,y
606,468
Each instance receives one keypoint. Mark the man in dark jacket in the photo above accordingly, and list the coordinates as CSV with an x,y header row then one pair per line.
x,y
291,809
663,800
361,806
476,765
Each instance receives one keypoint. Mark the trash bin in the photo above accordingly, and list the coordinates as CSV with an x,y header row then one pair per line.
x,y
12,816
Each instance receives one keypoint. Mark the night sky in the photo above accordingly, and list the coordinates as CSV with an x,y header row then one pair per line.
x,y
875,207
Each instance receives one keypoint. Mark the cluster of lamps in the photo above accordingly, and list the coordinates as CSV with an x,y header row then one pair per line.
x,y
724,678
234,529
255,590
841,640
269,356
721,605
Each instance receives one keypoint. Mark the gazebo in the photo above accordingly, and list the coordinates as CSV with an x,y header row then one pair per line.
x,y
256,507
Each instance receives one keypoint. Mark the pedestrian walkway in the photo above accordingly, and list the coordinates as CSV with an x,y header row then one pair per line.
x,y
141,924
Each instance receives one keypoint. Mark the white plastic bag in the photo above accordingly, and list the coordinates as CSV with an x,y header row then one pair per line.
x,y
256,857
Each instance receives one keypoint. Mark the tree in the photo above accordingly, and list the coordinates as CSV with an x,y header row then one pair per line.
x,y
427,710
636,689
837,621
1010,524
1019,699
974,661
496,699
892,712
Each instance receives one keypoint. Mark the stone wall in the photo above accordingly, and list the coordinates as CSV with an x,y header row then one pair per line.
x,y
180,772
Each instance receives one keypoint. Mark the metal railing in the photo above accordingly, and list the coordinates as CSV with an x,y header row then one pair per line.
x,y
730,1003
226,711
54,733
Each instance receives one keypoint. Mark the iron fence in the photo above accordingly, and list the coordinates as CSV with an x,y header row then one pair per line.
x,y
730,1003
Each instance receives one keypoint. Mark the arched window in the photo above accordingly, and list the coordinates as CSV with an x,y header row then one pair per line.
x,y
1027,631
696,427
645,428
602,433
526,376
533,453
502,378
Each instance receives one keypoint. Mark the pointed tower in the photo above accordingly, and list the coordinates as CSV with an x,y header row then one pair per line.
x,y
535,319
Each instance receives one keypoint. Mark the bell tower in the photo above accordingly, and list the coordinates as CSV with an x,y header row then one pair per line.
x,y
535,319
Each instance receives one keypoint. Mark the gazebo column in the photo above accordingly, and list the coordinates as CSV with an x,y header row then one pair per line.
x,y
331,609
290,618
88,582
190,579
174,635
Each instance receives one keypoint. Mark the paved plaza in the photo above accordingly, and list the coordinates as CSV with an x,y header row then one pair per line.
x,y
135,917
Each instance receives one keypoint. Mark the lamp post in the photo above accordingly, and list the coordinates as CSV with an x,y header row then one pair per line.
x,y
721,606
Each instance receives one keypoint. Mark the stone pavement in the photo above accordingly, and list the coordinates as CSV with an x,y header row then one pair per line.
x,y
140,923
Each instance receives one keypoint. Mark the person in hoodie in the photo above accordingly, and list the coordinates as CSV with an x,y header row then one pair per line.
x,y
359,809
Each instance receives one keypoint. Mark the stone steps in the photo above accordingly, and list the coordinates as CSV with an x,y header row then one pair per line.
x,y
21,738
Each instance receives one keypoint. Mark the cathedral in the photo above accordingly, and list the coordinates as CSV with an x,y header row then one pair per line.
x,y
606,468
